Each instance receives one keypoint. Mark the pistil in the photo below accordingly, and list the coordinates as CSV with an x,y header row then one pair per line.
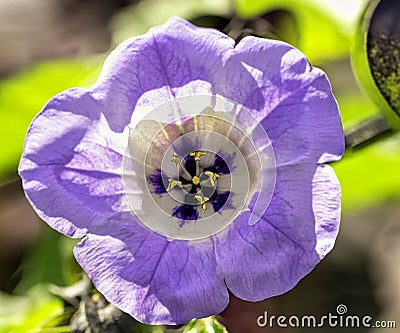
x,y
201,185
196,180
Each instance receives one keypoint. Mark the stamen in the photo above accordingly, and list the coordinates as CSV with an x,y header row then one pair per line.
x,y
197,168
202,200
197,155
212,176
191,181
176,159
173,183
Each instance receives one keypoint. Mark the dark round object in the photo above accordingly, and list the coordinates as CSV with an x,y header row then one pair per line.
x,y
376,56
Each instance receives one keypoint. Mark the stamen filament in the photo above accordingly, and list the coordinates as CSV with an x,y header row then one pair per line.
x,y
185,173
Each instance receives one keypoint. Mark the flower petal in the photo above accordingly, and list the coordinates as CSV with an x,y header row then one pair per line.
x,y
293,101
306,125
298,229
156,280
70,171
173,60
73,160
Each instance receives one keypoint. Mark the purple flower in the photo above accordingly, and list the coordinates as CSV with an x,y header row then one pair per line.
x,y
192,166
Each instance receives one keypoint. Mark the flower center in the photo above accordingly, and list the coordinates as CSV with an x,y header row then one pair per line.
x,y
194,164
196,181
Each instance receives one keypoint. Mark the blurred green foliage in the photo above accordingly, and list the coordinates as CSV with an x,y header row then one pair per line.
x,y
24,95
322,38
50,261
210,325
28,312
368,177
53,267
136,20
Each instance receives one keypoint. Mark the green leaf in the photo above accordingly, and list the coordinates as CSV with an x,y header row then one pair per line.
x,y
142,328
370,176
61,329
24,95
205,325
31,311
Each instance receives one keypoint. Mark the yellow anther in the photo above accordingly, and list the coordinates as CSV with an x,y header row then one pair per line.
x,y
212,176
197,155
176,159
172,184
195,180
96,298
202,200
